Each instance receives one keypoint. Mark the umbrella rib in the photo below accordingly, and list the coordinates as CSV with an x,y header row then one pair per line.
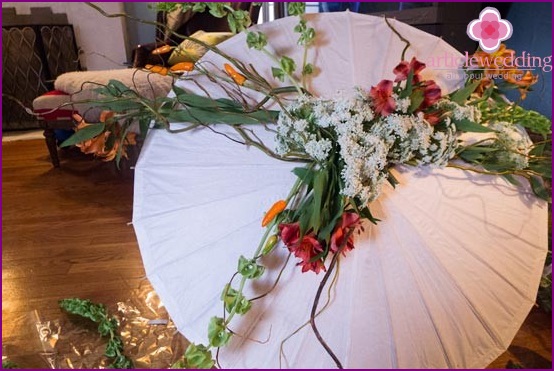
x,y
422,300
492,334
394,357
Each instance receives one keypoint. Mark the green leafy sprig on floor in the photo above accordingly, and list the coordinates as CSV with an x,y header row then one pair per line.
x,y
107,327
7,364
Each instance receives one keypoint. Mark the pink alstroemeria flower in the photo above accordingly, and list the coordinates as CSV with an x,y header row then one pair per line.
x,y
403,70
490,29
381,95
431,94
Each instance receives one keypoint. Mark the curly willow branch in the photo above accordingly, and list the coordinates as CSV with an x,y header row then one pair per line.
x,y
401,38
313,314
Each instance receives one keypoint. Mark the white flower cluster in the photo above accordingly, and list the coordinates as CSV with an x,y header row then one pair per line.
x,y
442,146
471,112
402,104
514,144
366,145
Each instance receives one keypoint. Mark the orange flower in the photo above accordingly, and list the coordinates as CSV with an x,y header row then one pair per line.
x,y
131,139
106,115
524,82
157,69
237,77
97,145
182,67
162,50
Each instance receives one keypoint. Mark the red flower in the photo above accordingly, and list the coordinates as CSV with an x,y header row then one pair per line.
x,y
383,103
306,249
347,222
403,70
433,118
431,94
290,233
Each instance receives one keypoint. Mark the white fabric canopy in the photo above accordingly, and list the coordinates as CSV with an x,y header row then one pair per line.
x,y
444,280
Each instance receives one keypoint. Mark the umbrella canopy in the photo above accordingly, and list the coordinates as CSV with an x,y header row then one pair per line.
x,y
444,280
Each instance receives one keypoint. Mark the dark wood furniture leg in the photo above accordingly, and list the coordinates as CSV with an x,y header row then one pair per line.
x,y
52,146
50,137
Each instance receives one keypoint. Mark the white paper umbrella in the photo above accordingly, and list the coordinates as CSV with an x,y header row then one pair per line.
x,y
444,280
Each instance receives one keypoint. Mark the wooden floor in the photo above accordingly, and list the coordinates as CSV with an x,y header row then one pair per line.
x,y
65,234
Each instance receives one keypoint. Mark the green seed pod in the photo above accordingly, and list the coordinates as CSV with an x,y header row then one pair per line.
x,y
270,244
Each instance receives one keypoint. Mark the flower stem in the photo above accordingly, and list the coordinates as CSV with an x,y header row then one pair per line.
x,y
318,295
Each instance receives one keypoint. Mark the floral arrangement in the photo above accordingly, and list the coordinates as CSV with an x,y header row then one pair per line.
x,y
347,144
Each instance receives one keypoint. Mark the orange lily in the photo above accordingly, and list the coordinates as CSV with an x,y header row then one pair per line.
x,y
237,77
523,83
157,69
182,67
162,50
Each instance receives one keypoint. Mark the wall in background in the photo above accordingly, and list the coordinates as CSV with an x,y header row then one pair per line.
x,y
140,33
532,25
102,39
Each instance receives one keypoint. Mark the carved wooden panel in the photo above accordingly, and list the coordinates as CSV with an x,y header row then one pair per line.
x,y
36,49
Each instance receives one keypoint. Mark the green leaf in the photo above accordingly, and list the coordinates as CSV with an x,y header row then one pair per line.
x,y
470,126
233,26
308,69
305,174
249,269
460,96
288,65
416,99
409,86
278,73
144,126
198,356
365,213
122,362
296,8
256,40
304,213
118,104
218,335
217,9
7,364
199,7
537,150
88,132
539,188
117,87
112,348
544,168
235,301
471,156
511,179
392,179
301,26
320,183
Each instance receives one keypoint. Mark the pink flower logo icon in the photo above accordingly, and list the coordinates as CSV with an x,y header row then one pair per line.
x,y
490,29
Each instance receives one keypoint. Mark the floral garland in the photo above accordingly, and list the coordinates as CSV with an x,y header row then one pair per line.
x,y
349,145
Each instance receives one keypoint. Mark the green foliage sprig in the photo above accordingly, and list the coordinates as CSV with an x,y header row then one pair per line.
x,y
286,66
107,327
238,19
7,364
